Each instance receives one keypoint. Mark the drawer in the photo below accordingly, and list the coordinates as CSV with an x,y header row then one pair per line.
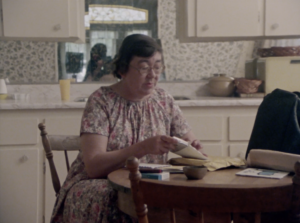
x,y
18,131
240,127
206,128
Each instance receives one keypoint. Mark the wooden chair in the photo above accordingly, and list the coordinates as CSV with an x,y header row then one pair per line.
x,y
58,143
220,204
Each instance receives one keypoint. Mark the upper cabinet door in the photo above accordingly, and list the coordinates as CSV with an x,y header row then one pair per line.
x,y
219,18
282,17
43,19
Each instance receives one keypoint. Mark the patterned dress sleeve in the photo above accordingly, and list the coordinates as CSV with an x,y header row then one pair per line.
x,y
179,125
95,116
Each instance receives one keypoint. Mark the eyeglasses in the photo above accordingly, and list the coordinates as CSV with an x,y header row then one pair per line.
x,y
146,70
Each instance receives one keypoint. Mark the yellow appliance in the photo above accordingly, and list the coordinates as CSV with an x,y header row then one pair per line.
x,y
278,72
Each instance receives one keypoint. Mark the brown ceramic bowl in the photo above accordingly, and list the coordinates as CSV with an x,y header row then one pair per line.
x,y
195,172
279,51
285,51
265,52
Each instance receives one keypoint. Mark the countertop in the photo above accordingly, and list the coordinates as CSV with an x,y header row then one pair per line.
x,y
204,101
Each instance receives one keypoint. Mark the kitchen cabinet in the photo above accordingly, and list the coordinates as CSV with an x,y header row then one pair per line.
x,y
282,17
206,20
26,186
19,170
223,131
53,20
233,18
19,185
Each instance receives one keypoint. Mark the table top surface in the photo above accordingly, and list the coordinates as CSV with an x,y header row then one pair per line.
x,y
225,178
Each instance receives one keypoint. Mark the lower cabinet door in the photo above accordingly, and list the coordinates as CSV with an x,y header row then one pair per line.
x,y
238,150
19,185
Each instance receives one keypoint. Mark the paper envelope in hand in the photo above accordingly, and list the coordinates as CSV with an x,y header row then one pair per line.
x,y
184,149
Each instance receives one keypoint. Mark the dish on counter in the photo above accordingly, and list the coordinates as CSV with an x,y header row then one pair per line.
x,y
221,86
81,99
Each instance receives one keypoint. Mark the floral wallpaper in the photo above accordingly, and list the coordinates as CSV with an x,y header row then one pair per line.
x,y
28,62
193,61
36,62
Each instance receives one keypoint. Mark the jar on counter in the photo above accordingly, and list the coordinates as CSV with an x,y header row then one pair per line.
x,y
221,85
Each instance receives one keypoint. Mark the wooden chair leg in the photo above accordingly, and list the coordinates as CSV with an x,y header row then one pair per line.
x,y
135,176
183,216
67,161
211,217
246,217
172,213
294,214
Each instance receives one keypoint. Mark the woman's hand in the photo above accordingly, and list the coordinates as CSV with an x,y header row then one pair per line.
x,y
197,145
190,137
159,144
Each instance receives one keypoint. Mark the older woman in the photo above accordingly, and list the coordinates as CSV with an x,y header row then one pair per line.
x,y
130,118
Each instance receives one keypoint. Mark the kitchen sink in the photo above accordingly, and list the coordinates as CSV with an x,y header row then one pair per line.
x,y
85,99
181,98
81,99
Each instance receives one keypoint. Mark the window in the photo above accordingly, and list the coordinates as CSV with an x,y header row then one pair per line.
x,y
108,23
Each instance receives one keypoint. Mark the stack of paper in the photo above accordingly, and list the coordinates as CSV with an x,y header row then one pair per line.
x,y
153,165
254,172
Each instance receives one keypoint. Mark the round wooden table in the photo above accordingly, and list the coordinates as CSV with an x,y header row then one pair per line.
x,y
221,192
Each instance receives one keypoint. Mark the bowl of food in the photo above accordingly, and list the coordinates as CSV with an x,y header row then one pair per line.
x,y
195,172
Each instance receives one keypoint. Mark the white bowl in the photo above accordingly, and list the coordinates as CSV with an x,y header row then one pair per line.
x,y
195,172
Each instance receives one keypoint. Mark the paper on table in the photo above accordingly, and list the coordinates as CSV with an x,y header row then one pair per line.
x,y
148,167
153,165
212,163
184,149
254,172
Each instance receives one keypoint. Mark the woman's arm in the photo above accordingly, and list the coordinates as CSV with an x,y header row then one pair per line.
x,y
99,163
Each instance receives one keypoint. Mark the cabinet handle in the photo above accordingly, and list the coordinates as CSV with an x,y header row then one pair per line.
x,y
24,159
275,26
205,27
57,27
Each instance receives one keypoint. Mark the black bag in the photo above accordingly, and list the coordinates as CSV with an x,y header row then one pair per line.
x,y
276,125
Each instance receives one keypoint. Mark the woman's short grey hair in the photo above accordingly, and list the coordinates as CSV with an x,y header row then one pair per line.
x,y
134,45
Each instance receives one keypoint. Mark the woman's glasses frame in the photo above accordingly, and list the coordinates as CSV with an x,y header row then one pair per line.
x,y
145,70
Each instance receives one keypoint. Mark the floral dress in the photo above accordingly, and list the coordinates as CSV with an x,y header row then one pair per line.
x,y
125,123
